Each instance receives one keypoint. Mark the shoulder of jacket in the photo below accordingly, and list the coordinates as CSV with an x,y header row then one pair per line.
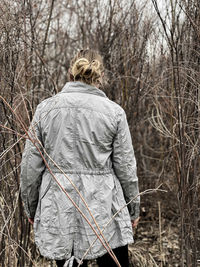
x,y
118,109
45,103
119,112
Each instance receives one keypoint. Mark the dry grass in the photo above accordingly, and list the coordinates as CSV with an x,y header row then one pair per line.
x,y
152,72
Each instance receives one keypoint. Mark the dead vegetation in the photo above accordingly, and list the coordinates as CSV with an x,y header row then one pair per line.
x,y
152,62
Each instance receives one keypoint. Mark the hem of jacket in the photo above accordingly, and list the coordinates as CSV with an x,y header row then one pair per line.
x,y
89,257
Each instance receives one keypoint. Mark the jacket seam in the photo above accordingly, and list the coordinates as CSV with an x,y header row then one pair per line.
x,y
76,107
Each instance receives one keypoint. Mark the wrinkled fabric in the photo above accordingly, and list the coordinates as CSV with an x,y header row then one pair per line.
x,y
88,137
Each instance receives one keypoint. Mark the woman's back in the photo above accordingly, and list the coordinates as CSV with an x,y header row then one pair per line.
x,y
78,126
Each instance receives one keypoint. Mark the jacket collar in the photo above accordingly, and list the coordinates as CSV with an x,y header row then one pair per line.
x,y
80,87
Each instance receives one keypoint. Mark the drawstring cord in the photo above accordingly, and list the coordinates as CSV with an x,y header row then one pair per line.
x,y
70,261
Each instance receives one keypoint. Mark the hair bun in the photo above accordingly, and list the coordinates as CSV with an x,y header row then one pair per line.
x,y
87,66
83,69
95,64
87,71
80,63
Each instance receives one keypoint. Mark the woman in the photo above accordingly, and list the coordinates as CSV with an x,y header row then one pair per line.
x,y
85,137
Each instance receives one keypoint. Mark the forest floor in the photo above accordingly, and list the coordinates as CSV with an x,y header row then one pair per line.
x,y
158,233
155,247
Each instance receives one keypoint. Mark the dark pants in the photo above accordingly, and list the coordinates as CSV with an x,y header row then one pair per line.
x,y
106,260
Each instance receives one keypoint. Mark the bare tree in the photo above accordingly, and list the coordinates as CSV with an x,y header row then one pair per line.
x,y
151,70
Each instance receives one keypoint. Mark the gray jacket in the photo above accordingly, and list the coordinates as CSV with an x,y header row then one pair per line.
x,y
87,137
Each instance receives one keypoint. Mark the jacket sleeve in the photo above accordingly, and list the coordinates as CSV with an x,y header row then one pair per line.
x,y
124,165
32,167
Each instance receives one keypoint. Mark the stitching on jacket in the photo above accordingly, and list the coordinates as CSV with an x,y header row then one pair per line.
x,y
76,107
78,171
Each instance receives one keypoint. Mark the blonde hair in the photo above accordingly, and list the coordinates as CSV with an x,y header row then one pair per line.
x,y
87,66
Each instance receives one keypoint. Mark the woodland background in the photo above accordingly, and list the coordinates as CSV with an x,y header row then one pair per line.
x,y
151,53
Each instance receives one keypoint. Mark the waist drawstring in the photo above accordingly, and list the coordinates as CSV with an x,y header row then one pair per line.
x,y
70,261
